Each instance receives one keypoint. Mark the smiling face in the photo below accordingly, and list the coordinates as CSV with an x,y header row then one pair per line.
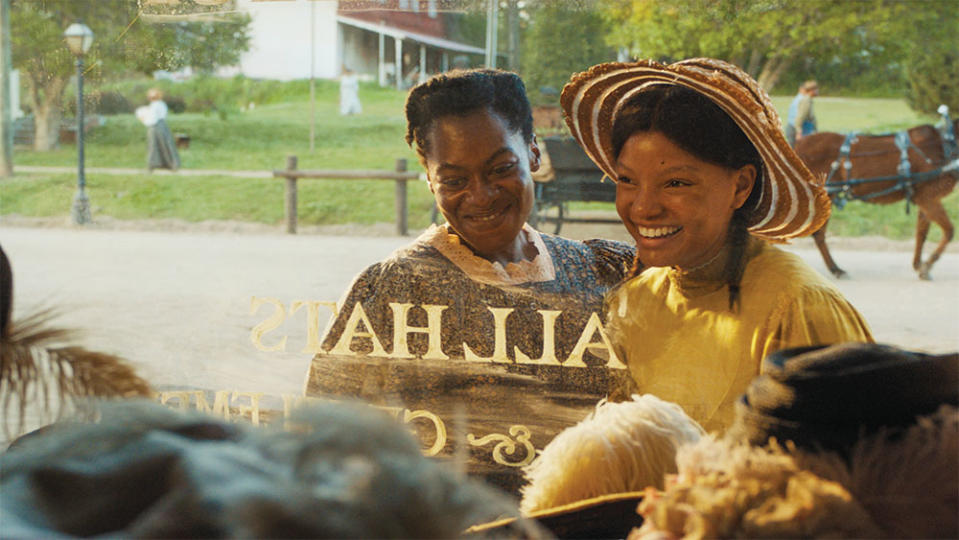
x,y
479,172
677,206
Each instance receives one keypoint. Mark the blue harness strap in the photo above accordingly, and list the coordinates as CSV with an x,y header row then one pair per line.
x,y
949,147
904,169
841,194
903,143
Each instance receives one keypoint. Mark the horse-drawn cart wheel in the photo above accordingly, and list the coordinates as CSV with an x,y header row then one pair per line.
x,y
560,209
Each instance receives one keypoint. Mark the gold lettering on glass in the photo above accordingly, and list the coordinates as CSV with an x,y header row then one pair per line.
x,y
270,324
312,322
506,445
504,452
221,403
499,341
253,409
357,317
549,341
182,399
593,326
292,401
432,330
441,437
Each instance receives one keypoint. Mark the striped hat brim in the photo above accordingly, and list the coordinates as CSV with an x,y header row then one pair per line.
x,y
793,201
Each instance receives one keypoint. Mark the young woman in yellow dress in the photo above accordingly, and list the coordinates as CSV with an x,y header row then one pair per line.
x,y
705,183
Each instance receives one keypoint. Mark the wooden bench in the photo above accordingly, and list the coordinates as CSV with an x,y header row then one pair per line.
x,y
576,178
68,127
182,140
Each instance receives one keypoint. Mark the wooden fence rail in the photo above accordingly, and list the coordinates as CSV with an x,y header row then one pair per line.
x,y
400,175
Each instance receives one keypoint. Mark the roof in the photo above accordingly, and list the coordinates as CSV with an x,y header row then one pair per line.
x,y
397,33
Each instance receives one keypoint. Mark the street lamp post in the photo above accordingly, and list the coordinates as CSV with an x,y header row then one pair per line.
x,y
79,38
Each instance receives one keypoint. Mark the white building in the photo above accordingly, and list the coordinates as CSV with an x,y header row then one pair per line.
x,y
297,39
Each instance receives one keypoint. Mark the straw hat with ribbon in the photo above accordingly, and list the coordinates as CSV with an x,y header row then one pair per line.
x,y
792,203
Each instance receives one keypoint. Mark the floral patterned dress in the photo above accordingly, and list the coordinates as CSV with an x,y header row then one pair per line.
x,y
519,350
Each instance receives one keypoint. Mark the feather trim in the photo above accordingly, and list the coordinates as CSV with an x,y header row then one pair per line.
x,y
43,376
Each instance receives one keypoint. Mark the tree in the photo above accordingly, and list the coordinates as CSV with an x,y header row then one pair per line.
x,y
930,56
468,25
124,43
764,37
564,37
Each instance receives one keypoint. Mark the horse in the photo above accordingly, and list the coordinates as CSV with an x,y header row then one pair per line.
x,y
919,164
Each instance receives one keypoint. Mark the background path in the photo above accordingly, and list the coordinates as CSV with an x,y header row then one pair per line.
x,y
178,304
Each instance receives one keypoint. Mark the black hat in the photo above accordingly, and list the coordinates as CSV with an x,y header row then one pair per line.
x,y
829,396
612,515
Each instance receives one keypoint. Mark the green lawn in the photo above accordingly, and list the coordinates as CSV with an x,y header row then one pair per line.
x,y
199,198
873,115
260,138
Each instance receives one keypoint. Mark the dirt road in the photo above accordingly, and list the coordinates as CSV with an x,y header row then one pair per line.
x,y
178,304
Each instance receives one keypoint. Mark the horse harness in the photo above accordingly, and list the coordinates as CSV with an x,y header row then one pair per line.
x,y
841,191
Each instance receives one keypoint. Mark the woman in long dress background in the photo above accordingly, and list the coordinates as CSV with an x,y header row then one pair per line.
x,y
161,148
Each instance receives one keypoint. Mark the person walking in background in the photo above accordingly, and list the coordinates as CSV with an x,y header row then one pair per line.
x,y
350,93
161,148
801,120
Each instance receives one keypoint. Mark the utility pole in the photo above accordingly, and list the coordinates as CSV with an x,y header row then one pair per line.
x,y
6,107
312,77
513,35
492,19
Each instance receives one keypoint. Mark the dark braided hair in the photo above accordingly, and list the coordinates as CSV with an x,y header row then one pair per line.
x,y
464,92
697,125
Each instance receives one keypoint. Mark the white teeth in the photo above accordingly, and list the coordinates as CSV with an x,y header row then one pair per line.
x,y
657,232
489,217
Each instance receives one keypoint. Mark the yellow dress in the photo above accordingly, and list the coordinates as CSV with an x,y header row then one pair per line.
x,y
682,343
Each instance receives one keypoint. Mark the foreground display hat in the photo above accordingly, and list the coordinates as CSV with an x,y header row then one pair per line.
x,y
831,396
792,203
612,515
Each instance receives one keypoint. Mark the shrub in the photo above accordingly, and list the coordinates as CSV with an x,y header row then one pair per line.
x,y
933,81
176,104
931,61
106,102
109,102
205,94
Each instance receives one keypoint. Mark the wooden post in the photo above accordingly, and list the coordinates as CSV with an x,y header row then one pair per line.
x,y
6,103
421,76
313,75
398,60
291,196
401,199
382,59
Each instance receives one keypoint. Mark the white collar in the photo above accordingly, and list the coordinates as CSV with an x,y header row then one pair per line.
x,y
492,273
